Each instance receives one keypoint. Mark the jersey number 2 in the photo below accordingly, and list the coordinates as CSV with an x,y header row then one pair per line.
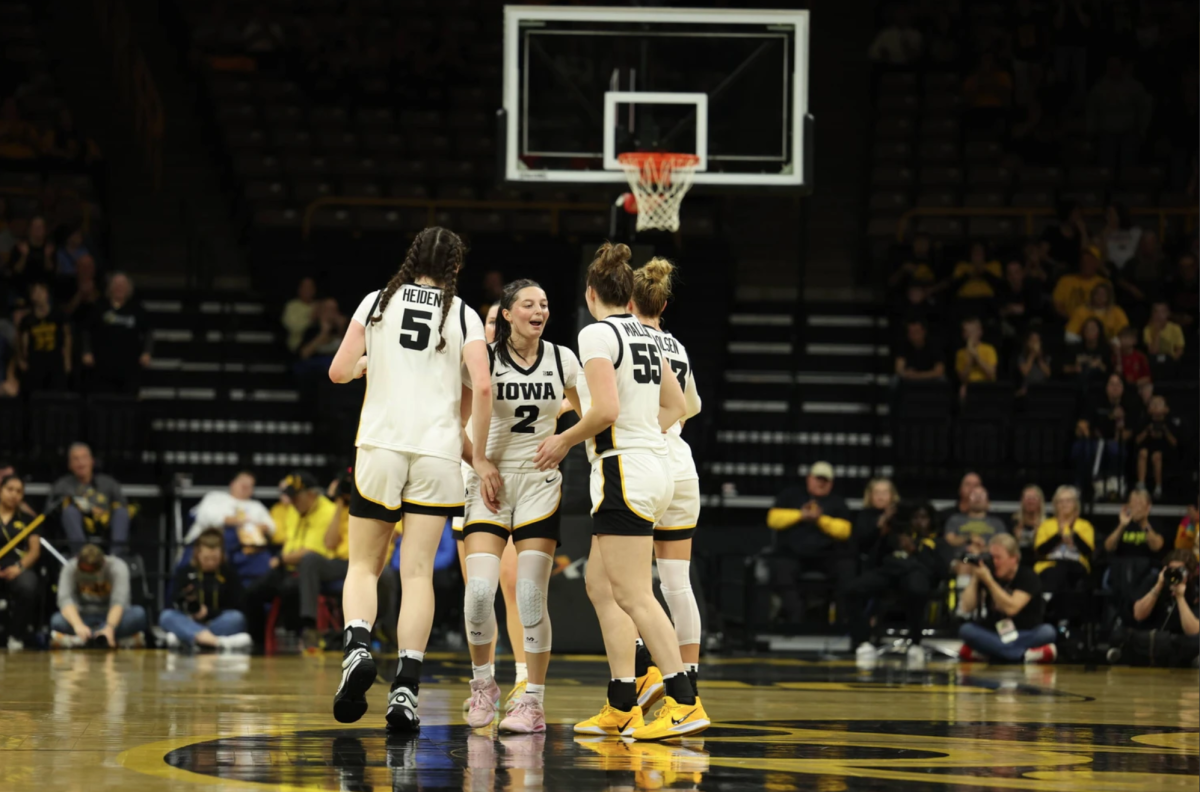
x,y
647,366
528,413
414,330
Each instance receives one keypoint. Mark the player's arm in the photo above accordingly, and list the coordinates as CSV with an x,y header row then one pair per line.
x,y
350,361
571,402
464,416
475,356
672,406
606,406
692,397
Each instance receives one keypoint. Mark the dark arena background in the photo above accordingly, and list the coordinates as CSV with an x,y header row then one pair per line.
x,y
937,279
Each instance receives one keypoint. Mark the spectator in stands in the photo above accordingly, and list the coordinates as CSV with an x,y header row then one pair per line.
x,y
94,601
880,501
1070,35
919,305
1074,290
1183,290
1030,513
1102,438
66,146
1064,545
8,239
975,282
1133,547
20,584
970,532
1128,361
1165,629
1028,31
1120,238
1020,299
118,343
1163,338
1158,435
1185,534
262,34
298,312
10,385
977,360
45,344
32,260
1061,244
898,44
815,533
915,266
917,359
67,263
1089,360
1012,597
901,559
208,598
323,335
93,506
969,482
1100,307
1032,364
1145,273
20,141
988,92
236,510
1118,115
303,530
316,570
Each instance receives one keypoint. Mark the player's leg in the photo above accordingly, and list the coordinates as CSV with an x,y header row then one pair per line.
x,y
483,549
512,618
535,564
673,552
368,554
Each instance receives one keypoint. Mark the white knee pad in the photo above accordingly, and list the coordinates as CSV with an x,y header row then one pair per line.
x,y
677,591
533,579
479,603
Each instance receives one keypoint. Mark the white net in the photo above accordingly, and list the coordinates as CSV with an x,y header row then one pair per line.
x,y
659,182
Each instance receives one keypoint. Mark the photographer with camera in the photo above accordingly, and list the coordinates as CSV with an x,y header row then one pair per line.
x,y
208,598
94,605
1011,628
1165,614
316,570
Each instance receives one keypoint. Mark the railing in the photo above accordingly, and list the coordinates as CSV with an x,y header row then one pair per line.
x,y
85,206
432,206
133,80
1030,212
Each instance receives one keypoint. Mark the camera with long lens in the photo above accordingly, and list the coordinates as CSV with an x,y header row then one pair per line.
x,y
976,559
344,486
1174,576
191,594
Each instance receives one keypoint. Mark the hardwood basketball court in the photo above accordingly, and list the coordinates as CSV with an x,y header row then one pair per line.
x,y
144,720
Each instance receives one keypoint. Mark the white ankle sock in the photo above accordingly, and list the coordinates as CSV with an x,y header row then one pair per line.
x,y
692,667
481,672
537,691
522,672
413,654
366,625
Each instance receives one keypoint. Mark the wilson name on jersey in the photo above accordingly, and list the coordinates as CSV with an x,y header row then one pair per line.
x,y
683,466
638,365
525,403
413,391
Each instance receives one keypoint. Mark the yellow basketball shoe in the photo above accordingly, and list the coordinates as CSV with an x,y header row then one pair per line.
x,y
650,689
674,720
612,722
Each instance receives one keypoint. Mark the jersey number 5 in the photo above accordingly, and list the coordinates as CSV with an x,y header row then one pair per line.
x,y
647,366
528,413
415,331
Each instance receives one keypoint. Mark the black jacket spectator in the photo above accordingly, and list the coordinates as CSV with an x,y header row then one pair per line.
x,y
118,342
1164,618
917,358
217,592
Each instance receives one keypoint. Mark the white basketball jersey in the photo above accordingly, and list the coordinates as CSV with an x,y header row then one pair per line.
x,y
525,403
683,466
633,351
414,391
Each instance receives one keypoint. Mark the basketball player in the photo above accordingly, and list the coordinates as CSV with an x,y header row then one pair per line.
x,y
529,379
631,406
673,533
508,560
418,335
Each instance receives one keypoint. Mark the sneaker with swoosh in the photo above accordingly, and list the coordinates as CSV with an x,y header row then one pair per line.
x,y
674,720
612,722
650,689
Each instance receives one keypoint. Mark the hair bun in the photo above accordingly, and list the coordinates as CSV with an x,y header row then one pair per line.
x,y
657,270
610,256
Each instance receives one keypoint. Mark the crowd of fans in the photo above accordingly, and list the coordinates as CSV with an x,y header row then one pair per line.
x,y
1015,584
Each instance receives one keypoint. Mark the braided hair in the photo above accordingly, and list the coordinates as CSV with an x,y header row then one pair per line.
x,y
436,253
503,326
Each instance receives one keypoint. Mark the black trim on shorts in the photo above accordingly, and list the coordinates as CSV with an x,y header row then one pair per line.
x,y
604,442
613,516
674,536
549,528
620,346
369,510
435,511
484,527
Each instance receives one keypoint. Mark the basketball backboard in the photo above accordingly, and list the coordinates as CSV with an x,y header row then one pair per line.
x,y
583,85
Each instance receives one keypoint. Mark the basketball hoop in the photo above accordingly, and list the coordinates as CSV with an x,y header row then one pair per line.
x,y
659,181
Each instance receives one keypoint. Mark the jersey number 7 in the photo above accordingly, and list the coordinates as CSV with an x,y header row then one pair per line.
x,y
415,331
647,366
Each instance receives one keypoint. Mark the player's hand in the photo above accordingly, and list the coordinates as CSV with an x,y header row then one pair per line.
x,y
981,572
360,367
108,634
550,452
489,483
201,614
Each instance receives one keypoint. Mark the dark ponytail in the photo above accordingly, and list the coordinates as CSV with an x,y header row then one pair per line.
x,y
435,253
503,326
